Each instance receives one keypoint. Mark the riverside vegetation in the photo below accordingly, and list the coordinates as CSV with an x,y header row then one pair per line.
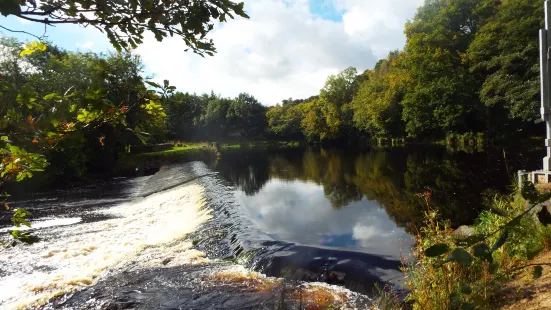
x,y
468,74
454,271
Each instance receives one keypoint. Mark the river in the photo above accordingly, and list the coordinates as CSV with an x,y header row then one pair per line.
x,y
223,234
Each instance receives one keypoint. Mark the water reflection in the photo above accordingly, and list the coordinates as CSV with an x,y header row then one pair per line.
x,y
299,212
352,181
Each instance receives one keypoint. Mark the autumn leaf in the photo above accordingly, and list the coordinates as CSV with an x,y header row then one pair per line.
x,y
30,120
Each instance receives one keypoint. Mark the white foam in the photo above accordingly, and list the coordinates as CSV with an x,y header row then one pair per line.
x,y
77,256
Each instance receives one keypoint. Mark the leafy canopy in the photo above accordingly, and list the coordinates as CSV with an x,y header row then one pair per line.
x,y
126,21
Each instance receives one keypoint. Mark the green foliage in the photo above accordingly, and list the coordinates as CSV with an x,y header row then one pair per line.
x,y
505,55
24,237
376,106
437,250
126,22
476,269
284,120
442,94
19,217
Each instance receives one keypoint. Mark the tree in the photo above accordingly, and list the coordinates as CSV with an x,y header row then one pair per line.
x,y
284,120
377,105
313,124
335,96
246,117
442,95
183,113
213,121
505,54
125,21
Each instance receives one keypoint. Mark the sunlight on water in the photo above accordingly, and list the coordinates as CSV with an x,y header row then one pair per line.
x,y
71,257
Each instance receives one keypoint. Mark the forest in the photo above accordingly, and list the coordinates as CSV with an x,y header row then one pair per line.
x,y
469,69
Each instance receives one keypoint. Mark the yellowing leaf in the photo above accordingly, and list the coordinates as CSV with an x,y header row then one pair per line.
x,y
32,47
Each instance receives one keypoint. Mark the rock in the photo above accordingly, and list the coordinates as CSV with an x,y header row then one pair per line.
x,y
463,232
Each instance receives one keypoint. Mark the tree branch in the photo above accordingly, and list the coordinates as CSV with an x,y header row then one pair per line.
x,y
25,32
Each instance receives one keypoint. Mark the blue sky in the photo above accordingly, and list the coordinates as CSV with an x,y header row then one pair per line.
x,y
286,49
325,9
71,37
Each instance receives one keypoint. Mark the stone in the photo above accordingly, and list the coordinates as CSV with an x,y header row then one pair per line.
x,y
463,232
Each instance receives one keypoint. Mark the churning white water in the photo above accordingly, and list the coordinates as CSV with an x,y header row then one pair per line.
x,y
143,231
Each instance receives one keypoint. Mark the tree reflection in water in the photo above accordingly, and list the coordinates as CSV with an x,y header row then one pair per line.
x,y
390,177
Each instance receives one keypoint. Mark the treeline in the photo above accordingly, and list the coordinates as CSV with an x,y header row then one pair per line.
x,y
469,72
469,67
192,117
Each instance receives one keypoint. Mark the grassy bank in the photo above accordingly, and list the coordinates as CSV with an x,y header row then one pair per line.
x,y
469,267
191,151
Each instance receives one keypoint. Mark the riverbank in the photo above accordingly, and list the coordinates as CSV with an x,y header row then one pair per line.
x,y
147,163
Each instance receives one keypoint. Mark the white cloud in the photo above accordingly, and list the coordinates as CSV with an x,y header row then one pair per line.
x,y
283,50
280,208
379,22
85,45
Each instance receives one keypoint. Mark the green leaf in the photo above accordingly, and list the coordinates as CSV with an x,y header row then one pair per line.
x,y
8,7
455,298
153,84
537,272
436,250
467,306
25,237
460,256
482,251
493,268
467,290
533,253
500,241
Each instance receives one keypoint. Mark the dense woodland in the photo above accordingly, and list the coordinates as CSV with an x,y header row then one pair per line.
x,y
469,67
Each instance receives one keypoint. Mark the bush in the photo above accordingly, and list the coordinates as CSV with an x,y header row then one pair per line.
x,y
464,272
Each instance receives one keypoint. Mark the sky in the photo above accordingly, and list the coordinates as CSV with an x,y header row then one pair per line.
x,y
287,48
